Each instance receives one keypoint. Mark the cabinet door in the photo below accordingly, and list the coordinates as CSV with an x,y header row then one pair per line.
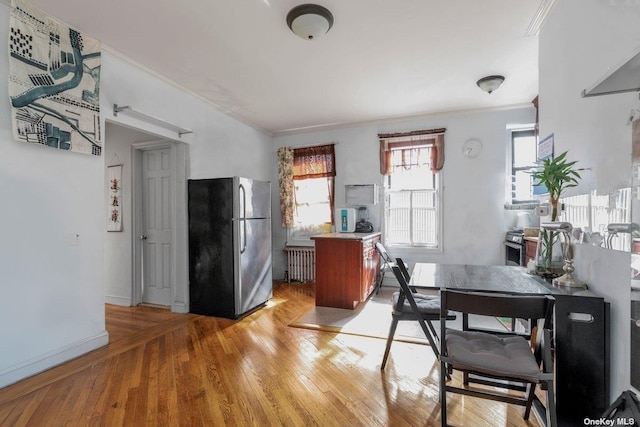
x,y
370,266
581,358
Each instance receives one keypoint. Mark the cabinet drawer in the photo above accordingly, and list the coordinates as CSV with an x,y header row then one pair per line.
x,y
368,249
530,248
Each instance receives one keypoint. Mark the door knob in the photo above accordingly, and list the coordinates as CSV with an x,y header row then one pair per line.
x,y
143,237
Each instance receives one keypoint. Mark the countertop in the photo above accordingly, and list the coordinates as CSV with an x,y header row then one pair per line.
x,y
531,234
346,236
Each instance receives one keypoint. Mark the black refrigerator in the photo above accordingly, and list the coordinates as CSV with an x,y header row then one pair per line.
x,y
229,246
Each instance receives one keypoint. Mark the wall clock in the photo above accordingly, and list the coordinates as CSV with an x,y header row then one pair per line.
x,y
472,148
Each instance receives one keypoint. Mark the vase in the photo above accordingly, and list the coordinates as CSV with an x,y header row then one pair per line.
x,y
549,255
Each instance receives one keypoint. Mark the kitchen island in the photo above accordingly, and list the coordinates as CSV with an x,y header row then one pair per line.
x,y
347,268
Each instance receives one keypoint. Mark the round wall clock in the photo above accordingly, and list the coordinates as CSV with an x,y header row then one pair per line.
x,y
472,148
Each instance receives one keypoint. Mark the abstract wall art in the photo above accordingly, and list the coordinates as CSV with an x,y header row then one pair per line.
x,y
54,81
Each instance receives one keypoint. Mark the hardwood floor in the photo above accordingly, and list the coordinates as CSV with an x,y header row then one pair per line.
x,y
165,369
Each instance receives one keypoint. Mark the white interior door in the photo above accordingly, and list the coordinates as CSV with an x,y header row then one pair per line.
x,y
156,236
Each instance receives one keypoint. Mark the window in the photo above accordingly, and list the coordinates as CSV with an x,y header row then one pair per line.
x,y
412,205
313,188
312,202
523,159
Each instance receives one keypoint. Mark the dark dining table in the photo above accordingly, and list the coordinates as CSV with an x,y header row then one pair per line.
x,y
580,330
487,278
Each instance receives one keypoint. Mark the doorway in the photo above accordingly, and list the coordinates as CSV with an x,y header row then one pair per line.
x,y
124,263
159,238
156,226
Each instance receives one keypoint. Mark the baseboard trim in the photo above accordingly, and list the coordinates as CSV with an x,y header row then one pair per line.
x,y
123,301
180,307
46,361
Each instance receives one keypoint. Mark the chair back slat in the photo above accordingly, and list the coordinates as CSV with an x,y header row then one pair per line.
x,y
403,269
499,305
404,290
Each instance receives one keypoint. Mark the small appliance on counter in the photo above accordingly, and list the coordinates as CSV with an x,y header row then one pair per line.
x,y
345,220
363,225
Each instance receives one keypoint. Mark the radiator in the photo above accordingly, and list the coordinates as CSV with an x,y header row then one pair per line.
x,y
301,263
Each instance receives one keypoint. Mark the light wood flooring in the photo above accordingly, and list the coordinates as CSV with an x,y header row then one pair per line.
x,y
165,369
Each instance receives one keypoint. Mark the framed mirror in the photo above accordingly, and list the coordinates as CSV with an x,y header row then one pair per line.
x,y
635,255
600,219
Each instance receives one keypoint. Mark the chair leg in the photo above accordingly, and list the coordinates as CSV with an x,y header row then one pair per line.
x,y
443,394
531,389
392,332
552,420
432,343
433,331
379,284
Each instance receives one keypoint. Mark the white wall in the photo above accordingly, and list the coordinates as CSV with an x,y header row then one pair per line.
x,y
53,293
579,42
220,146
52,302
473,195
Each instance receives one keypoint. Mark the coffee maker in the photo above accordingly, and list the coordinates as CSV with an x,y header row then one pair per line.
x,y
362,224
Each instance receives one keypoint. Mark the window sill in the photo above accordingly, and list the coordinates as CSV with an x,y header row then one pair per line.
x,y
415,249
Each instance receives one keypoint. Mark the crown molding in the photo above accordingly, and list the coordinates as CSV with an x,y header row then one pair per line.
x,y
539,17
396,119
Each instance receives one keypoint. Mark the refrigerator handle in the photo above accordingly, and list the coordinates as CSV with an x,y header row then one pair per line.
x,y
243,218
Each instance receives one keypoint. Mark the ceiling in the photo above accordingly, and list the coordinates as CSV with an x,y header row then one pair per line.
x,y
382,60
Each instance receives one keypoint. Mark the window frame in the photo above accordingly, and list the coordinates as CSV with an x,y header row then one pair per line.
x,y
301,172
437,188
530,130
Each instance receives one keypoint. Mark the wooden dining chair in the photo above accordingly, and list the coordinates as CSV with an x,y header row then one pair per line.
x,y
499,360
407,304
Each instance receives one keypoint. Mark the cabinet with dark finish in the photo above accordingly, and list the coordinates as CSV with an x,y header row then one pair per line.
x,y
635,337
347,268
581,337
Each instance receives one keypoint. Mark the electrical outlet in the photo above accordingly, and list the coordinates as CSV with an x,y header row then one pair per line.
x,y
73,239
542,210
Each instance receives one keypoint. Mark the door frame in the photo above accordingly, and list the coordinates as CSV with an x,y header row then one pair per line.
x,y
179,222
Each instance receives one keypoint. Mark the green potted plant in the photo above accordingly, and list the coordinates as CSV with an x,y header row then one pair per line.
x,y
556,174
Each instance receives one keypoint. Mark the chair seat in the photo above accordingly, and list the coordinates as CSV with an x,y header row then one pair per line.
x,y
485,353
427,304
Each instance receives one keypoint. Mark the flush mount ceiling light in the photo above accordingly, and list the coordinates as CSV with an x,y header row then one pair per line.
x,y
309,21
490,83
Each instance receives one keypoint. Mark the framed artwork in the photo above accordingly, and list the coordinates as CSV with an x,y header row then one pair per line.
x,y
545,148
114,202
54,79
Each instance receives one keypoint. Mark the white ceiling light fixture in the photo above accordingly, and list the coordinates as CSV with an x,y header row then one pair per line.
x,y
309,21
490,83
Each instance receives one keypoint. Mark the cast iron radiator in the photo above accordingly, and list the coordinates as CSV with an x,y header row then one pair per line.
x,y
301,263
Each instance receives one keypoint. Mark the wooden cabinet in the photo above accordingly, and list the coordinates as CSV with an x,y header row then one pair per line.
x,y
530,247
347,268
582,359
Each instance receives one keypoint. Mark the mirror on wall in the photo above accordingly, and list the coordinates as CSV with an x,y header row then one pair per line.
x,y
600,219
635,256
